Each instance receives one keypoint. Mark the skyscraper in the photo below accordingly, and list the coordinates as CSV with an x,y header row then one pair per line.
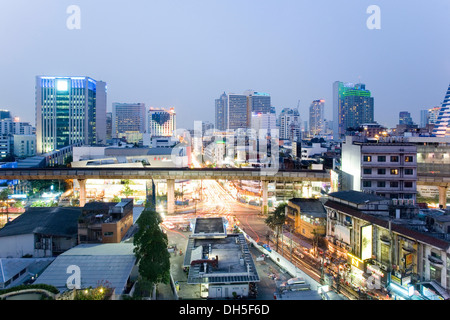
x,y
161,122
290,124
424,118
127,117
238,112
352,107
259,102
221,112
442,126
69,110
316,118
433,114
404,117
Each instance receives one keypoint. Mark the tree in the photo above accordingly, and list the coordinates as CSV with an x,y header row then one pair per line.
x,y
150,249
276,220
127,191
4,197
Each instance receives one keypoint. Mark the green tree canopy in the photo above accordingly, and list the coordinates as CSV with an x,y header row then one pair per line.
x,y
151,248
276,219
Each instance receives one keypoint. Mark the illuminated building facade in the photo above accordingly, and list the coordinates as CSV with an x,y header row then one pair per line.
x,y
127,117
353,105
69,111
161,122
442,127
316,118
376,250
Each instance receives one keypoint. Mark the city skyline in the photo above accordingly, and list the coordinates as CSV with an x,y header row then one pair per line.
x,y
177,64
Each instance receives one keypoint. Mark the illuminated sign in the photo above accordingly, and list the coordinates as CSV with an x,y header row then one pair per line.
x,y
408,259
366,242
355,261
375,270
62,85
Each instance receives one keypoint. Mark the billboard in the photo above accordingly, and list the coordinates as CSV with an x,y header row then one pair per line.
x,y
366,242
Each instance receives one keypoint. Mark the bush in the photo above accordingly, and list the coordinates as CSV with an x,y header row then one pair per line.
x,y
47,287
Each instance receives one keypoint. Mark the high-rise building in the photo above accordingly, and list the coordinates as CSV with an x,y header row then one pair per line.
x,y
69,110
161,122
442,126
259,102
127,117
108,125
238,112
10,126
5,114
433,114
316,118
404,117
221,112
424,118
352,106
264,121
290,124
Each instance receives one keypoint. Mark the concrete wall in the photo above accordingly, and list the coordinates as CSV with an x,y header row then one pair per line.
x,y
17,246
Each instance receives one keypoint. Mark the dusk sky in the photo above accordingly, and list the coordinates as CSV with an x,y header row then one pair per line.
x,y
186,53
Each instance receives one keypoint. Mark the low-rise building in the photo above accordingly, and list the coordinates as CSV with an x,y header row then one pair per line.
x,y
387,169
307,217
220,263
384,250
105,222
112,265
40,232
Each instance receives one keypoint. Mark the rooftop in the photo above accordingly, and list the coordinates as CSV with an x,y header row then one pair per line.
x,y
56,221
399,226
112,263
356,196
209,226
310,206
10,267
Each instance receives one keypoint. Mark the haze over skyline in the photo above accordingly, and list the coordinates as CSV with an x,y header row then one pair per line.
x,y
185,54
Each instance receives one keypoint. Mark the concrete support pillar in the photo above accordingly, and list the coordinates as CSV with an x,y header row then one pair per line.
x,y
443,196
265,200
170,196
82,184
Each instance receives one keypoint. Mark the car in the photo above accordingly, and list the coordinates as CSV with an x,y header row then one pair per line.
x,y
168,225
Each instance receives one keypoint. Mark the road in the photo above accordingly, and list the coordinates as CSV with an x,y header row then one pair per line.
x,y
217,201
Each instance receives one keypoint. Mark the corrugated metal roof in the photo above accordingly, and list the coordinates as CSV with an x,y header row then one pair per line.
x,y
57,221
9,267
98,263
356,196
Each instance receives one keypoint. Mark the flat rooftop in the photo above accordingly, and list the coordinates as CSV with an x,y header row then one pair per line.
x,y
210,226
234,261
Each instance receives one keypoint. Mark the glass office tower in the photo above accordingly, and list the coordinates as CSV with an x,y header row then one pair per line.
x,y
352,107
69,111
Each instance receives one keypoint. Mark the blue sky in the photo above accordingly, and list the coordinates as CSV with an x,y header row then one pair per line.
x,y
185,53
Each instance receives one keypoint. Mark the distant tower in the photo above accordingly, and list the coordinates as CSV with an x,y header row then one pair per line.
x,y
69,110
316,118
353,106
442,127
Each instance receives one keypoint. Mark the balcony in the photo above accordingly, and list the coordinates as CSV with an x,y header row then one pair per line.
x,y
385,240
435,260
